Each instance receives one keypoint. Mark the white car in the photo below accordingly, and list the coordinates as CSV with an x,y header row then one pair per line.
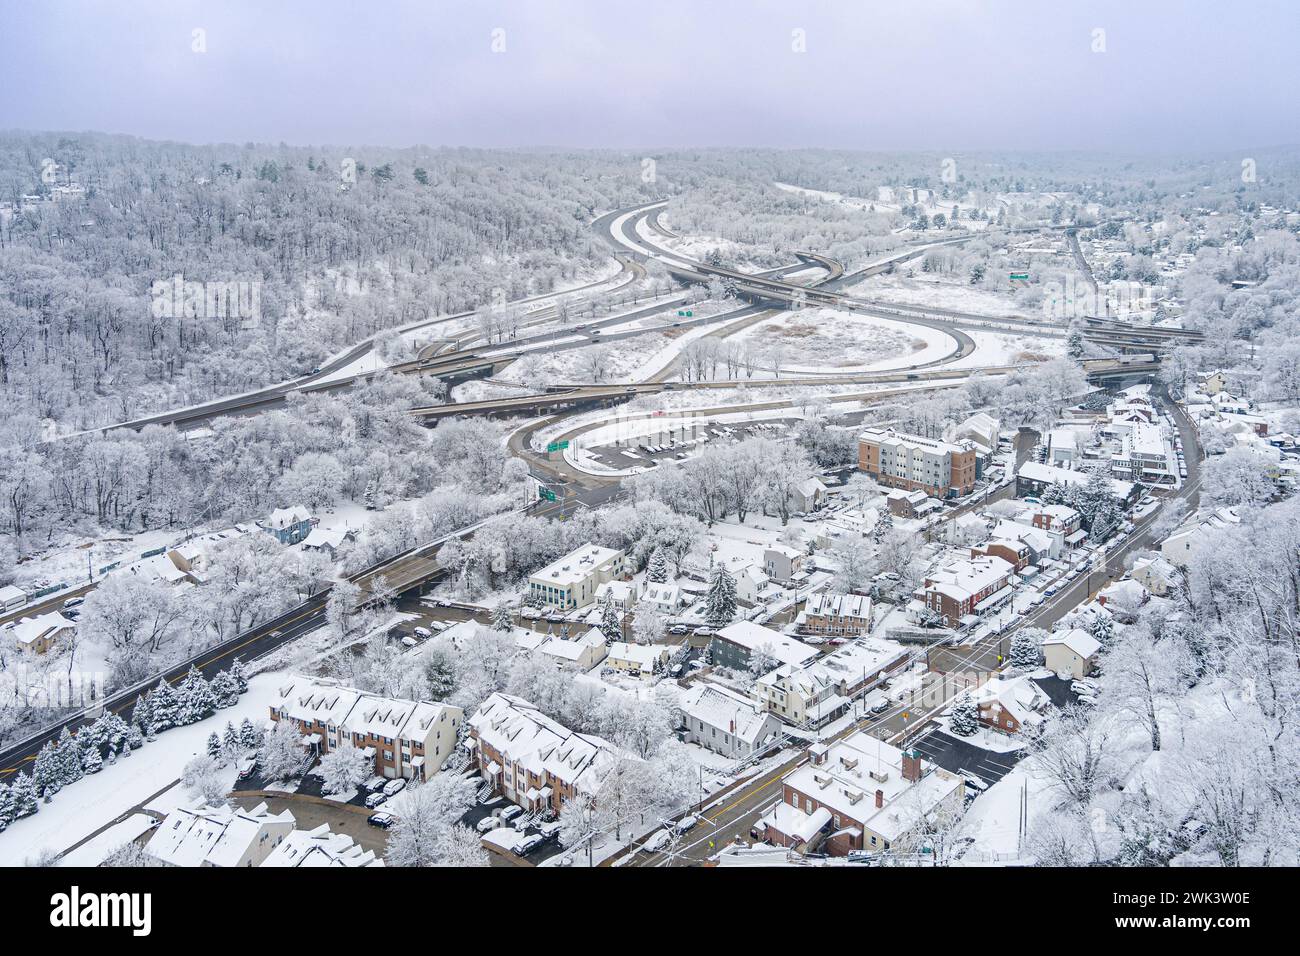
x,y
657,841
488,824
686,822
394,787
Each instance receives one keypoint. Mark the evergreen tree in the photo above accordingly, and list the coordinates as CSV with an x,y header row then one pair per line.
x,y
47,772
884,525
720,602
230,739
657,568
501,620
195,700
1074,344
69,752
1102,629
164,707
250,738
610,625
1025,651
965,715
23,797
141,716
92,762
135,737
214,746
237,672
6,806
225,691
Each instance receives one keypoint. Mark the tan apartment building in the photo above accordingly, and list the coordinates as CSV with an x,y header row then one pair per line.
x,y
939,468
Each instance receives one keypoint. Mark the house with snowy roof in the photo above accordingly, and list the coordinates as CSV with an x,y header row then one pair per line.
x,y
288,525
320,848
405,738
734,646
862,794
723,721
579,653
638,660
822,690
219,836
1072,652
328,541
571,581
36,635
533,760
1011,706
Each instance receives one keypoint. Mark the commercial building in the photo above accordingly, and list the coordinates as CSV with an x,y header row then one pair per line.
x,y
572,581
939,468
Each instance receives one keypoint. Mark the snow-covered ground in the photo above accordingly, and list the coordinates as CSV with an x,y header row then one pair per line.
x,y
820,340
938,293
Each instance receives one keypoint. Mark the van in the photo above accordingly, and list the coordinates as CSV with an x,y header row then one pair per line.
x,y
12,598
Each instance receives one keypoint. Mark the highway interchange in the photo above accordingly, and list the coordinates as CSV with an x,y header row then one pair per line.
x,y
468,355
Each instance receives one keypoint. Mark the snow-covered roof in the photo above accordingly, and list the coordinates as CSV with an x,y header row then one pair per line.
x,y
308,699
1076,639
320,847
726,710
1050,474
576,565
642,655
838,605
29,630
572,650
327,537
753,637
212,836
282,518
963,579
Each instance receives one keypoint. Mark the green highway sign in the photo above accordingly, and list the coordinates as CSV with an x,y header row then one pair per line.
x,y
685,313
546,494
1022,276
558,445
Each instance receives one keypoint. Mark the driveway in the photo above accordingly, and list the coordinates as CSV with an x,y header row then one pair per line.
x,y
956,755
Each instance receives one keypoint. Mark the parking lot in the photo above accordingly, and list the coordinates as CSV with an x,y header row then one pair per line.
x,y
678,444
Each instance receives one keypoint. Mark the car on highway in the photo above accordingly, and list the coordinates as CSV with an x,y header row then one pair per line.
x,y
382,819
879,707
394,787
686,823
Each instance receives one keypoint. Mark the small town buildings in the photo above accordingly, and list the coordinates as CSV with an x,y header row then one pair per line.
x,y
288,525
814,694
1010,549
580,653
835,615
1062,447
735,645
1156,575
782,563
1073,652
862,794
571,581
980,429
639,660
965,588
533,760
751,582
667,599
328,541
723,721
1179,546
37,635
911,504
219,836
1145,455
1011,706
320,848
405,738
1034,478
941,469
623,593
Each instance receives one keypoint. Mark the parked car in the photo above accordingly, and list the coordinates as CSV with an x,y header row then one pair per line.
x,y
374,783
677,629
423,633
509,813
488,824
382,819
73,602
1087,700
409,641
246,767
880,706
656,841
374,800
528,844
394,787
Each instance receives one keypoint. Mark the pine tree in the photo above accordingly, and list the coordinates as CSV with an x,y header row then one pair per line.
x,y
6,807
720,603
112,757
47,772
1025,651
23,796
1074,344
657,568
610,625
135,737
501,620
230,739
1102,628
884,525
965,716
195,699
69,755
92,762
250,738
141,716
224,689
214,746
237,672
164,708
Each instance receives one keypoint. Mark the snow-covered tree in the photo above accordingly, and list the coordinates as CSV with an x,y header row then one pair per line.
x,y
250,738
24,798
610,623
657,568
429,812
501,618
648,625
203,780
964,720
720,601
164,708
195,699
282,753
214,746
230,740
225,691
344,769
1026,649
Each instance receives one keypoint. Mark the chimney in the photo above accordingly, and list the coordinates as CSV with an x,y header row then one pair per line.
x,y
911,765
818,753
880,799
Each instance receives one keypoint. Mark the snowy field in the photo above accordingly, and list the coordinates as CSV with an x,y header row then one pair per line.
x,y
822,340
939,293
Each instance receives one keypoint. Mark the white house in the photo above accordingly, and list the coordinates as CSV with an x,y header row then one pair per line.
x,y
320,847
1072,652
638,660
581,653
725,722
219,836
36,635
571,581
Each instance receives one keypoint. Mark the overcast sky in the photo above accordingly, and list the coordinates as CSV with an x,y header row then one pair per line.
x,y
875,74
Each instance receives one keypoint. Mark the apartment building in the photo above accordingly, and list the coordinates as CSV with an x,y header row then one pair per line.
x,y
939,468
532,760
836,615
1146,455
813,694
406,738
735,645
319,847
721,720
861,794
219,836
572,581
